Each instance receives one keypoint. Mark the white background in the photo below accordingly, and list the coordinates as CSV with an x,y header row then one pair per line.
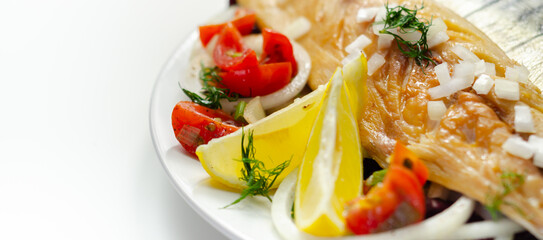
x,y
76,157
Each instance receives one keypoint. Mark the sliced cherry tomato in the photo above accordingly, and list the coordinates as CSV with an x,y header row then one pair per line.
x,y
195,125
402,156
244,21
230,54
258,81
365,214
397,202
277,48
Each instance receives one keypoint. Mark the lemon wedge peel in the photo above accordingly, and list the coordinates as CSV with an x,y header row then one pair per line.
x,y
277,138
331,170
355,75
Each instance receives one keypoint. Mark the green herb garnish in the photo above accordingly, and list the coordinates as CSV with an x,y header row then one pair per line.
x,y
404,20
259,179
240,108
213,94
377,177
511,181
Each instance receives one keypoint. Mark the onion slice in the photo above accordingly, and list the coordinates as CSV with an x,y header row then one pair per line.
x,y
486,229
438,226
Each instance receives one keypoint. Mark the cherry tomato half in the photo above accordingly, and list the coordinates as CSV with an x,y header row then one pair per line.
x,y
397,202
402,156
277,48
195,125
258,81
230,54
244,21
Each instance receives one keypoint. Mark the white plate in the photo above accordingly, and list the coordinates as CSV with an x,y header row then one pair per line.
x,y
249,219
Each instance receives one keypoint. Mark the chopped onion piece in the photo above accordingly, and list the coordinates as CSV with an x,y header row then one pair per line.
x,y
441,91
382,13
442,73
490,69
410,35
464,71
448,88
437,26
254,111
537,143
516,146
385,40
523,119
366,14
517,73
483,84
506,89
464,54
436,110
376,61
480,67
439,38
299,27
358,44
377,27
350,58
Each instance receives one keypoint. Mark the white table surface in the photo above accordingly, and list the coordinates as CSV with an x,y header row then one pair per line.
x,y
76,157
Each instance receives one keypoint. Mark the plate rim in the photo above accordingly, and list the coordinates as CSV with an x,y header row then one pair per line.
x,y
185,45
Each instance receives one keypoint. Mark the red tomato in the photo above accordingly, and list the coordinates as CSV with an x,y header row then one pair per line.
x,y
402,156
230,54
277,48
258,81
244,21
397,202
195,125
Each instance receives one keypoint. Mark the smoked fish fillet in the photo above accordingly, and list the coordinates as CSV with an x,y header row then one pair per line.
x,y
463,151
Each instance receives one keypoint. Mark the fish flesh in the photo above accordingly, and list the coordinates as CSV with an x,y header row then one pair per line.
x,y
463,151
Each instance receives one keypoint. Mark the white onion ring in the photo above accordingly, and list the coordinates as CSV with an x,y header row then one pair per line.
x,y
486,229
438,226
271,101
287,93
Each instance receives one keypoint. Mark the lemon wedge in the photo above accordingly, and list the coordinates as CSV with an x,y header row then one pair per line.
x,y
279,137
355,76
331,170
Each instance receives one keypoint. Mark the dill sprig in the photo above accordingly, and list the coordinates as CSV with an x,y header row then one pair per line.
x,y
259,179
404,20
511,181
213,94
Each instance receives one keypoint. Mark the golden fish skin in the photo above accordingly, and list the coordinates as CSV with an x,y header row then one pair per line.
x,y
463,151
